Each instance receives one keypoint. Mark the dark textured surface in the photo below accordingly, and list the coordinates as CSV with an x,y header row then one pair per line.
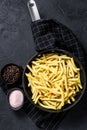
x,y
17,45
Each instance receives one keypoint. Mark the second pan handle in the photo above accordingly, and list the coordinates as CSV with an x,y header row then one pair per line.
x,y
33,10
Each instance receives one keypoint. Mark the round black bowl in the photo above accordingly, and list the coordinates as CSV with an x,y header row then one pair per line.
x,y
8,94
82,77
17,73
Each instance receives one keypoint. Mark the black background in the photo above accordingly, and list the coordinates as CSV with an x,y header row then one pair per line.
x,y
17,46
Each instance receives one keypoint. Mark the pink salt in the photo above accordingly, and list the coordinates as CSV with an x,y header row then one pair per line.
x,y
16,98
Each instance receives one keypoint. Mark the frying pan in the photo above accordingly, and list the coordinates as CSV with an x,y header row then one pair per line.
x,y
35,16
79,95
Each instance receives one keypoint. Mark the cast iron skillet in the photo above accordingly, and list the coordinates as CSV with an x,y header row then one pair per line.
x,y
82,77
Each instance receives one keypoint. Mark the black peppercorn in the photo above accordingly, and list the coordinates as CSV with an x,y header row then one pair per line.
x,y
11,73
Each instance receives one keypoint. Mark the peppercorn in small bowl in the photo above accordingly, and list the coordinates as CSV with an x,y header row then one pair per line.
x,y
11,75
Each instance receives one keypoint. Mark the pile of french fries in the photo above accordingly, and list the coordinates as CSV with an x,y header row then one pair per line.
x,y
54,80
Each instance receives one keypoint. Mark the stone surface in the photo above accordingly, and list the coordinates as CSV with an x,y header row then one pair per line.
x,y
17,45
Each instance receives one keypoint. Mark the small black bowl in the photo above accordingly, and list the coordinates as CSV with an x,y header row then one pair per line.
x,y
8,95
79,95
10,75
